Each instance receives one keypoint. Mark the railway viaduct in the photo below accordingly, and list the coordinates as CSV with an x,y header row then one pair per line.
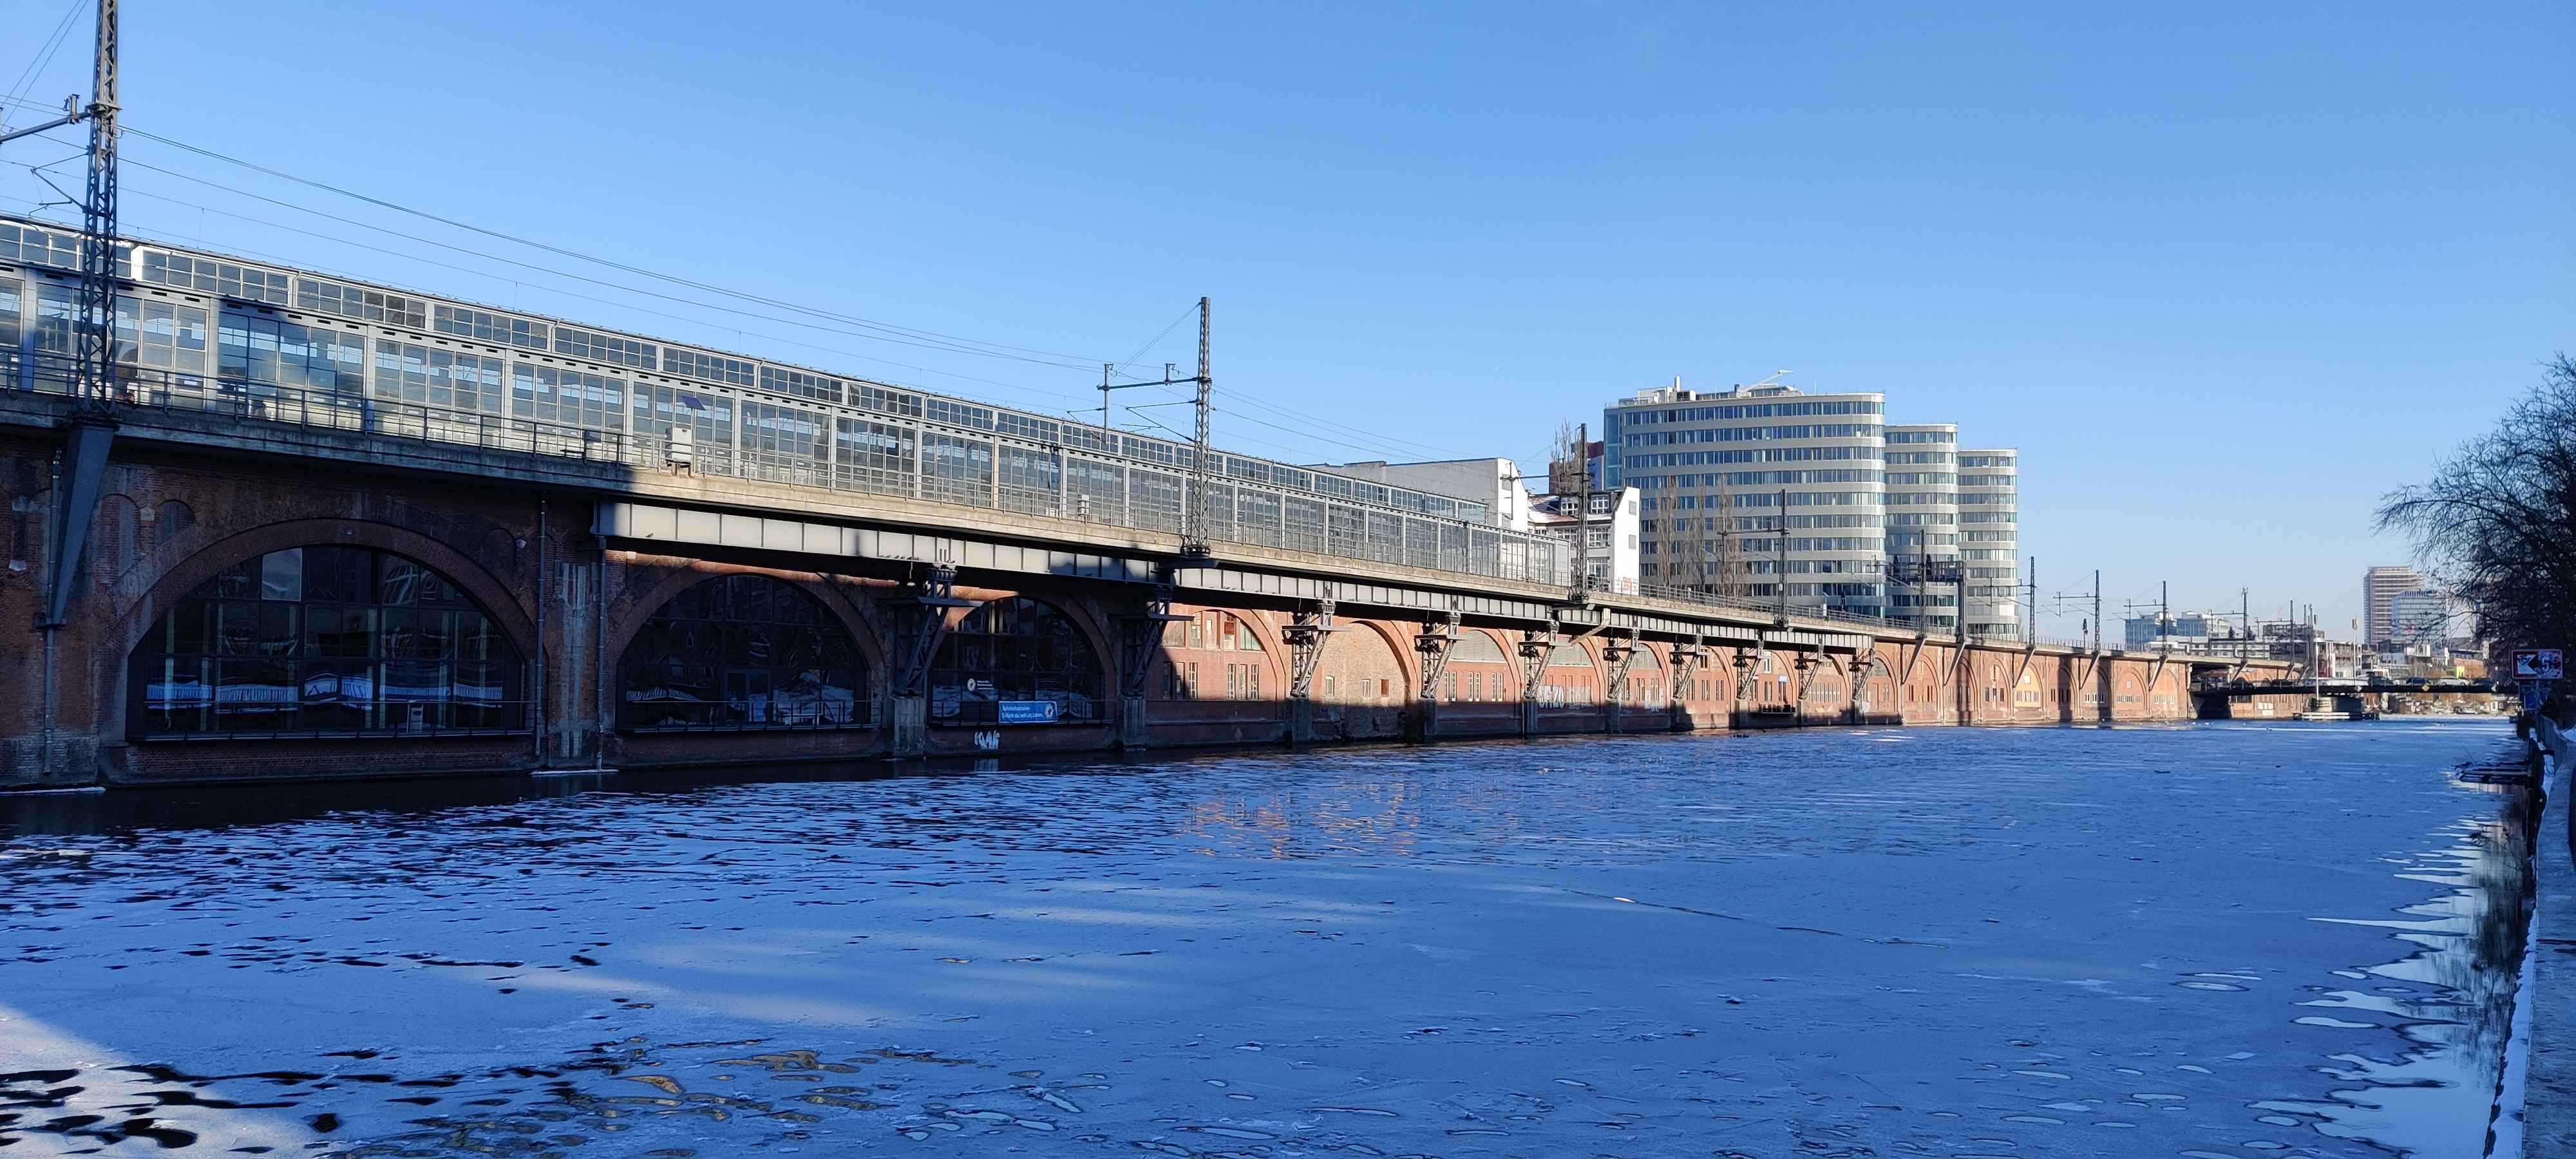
x,y
281,524
947,631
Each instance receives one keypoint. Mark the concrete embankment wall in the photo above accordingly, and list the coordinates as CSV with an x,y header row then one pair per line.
x,y
2549,1091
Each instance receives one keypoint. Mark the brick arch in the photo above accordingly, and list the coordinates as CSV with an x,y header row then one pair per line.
x,y
1273,655
1862,672
1719,669
180,534
1506,671
1367,717
1084,614
1407,663
629,619
491,594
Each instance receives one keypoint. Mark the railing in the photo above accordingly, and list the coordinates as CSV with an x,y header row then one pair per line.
x,y
1235,510
1087,488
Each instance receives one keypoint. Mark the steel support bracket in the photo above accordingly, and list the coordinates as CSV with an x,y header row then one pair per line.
x,y
1434,643
1141,633
916,619
1617,654
1535,646
1306,635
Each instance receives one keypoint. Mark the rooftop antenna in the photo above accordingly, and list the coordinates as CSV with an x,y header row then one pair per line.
x,y
1775,377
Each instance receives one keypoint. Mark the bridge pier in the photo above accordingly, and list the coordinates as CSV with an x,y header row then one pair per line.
x,y
907,727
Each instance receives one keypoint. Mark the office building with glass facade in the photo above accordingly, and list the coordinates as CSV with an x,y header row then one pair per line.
x,y
1744,490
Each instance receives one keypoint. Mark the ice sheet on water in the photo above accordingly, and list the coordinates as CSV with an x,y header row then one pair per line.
x,y
1760,945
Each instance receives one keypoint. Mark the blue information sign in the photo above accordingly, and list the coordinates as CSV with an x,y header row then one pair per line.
x,y
2533,692
1028,712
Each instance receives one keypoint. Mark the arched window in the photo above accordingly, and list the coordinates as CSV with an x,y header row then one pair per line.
x,y
1015,650
743,652
324,641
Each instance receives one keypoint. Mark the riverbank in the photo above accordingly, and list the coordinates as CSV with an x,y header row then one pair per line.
x,y
2549,1096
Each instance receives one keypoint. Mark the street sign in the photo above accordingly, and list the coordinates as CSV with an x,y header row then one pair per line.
x,y
1028,712
2539,664
2533,693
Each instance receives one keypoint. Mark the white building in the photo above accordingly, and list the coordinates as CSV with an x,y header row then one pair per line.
x,y
1990,540
1608,549
1493,482
1724,476
1922,522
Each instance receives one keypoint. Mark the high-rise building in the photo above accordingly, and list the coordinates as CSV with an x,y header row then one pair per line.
x,y
2429,616
2379,586
1752,488
1922,522
1990,540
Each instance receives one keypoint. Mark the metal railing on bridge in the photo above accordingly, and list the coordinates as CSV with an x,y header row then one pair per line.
x,y
1235,510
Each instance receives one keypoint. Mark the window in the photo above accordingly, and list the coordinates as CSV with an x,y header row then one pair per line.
x,y
434,376
743,652
957,470
257,348
801,383
214,277
607,348
884,401
711,367
38,246
152,334
872,456
657,409
483,326
10,322
353,302
962,414
784,443
324,640
571,397
1014,649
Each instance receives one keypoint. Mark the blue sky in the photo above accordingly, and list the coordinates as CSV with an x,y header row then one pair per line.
x,y
2223,273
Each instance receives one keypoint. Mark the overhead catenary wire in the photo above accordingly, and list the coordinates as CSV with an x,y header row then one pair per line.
x,y
611,263
1369,442
354,244
44,56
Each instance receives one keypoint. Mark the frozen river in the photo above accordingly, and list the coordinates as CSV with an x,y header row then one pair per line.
x,y
2224,940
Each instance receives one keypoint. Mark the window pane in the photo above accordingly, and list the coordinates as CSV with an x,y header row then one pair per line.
x,y
743,651
301,641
